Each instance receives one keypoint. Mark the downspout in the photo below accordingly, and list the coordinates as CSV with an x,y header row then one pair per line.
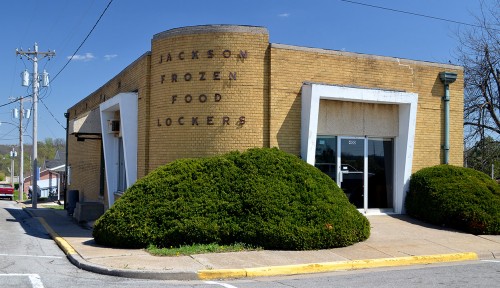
x,y
447,78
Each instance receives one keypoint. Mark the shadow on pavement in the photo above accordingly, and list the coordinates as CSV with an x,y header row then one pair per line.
x,y
30,226
410,220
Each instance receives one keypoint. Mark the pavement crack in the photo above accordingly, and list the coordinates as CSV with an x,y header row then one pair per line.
x,y
439,244
7,265
491,240
374,248
286,285
208,267
112,256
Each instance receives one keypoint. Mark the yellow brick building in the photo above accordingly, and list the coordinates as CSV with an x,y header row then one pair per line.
x,y
367,121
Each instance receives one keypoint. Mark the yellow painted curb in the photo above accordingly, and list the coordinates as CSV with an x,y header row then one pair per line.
x,y
334,266
63,244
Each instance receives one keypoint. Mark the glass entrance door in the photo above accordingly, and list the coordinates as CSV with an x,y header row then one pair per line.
x,y
352,169
363,167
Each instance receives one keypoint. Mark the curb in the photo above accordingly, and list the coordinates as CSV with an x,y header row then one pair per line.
x,y
76,259
81,263
61,242
334,266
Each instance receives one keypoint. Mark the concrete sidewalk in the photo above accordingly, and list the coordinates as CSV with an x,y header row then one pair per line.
x,y
395,240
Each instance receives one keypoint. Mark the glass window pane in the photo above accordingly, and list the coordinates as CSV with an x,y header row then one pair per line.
x,y
352,161
380,173
326,155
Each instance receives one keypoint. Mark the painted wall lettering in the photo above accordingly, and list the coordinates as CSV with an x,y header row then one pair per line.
x,y
202,98
216,75
242,121
195,54
210,121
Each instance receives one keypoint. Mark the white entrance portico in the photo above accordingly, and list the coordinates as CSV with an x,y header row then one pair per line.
x,y
404,107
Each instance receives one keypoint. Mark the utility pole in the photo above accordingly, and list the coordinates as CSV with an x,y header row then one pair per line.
x,y
21,114
33,56
21,151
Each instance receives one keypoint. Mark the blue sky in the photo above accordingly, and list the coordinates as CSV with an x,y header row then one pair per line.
x,y
124,33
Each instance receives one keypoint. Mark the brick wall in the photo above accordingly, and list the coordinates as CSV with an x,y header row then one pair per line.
x,y
85,162
209,92
291,66
85,157
197,83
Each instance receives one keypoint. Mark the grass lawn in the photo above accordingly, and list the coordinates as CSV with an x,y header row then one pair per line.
x,y
52,206
198,249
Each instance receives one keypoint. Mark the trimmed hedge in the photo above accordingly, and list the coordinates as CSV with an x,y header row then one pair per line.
x,y
262,197
457,197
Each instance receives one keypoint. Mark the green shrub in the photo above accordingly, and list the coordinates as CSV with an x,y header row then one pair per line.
x,y
457,197
263,197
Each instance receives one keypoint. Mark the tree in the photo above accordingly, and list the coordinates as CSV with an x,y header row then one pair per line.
x,y
479,53
484,156
46,151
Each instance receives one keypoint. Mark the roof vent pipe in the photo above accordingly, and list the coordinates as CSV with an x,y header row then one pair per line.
x,y
447,78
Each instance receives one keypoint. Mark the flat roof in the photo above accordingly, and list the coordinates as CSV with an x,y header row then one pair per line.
x,y
361,55
218,28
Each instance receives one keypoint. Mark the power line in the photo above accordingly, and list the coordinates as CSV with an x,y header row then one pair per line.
x,y
1,137
14,101
48,110
417,14
69,60
88,35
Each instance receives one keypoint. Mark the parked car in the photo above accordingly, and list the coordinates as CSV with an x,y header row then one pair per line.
x,y
6,191
30,192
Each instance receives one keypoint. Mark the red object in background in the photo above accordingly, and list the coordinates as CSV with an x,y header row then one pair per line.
x,y
6,191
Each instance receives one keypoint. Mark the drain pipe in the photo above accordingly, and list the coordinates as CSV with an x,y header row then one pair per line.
x,y
447,78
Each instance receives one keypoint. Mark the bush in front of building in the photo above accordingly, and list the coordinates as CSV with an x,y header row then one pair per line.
x,y
262,197
456,197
